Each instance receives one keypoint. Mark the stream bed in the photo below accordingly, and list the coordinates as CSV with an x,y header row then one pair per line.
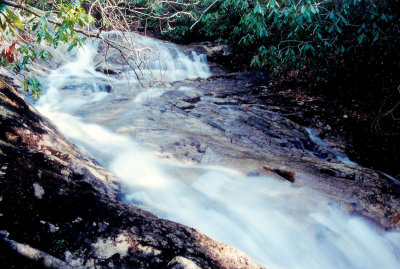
x,y
181,160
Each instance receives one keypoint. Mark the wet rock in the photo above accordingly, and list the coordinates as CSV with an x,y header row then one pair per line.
x,y
184,95
212,50
60,209
39,191
182,263
105,248
37,257
182,104
108,88
221,57
282,172
242,123
329,172
107,71
210,157
246,123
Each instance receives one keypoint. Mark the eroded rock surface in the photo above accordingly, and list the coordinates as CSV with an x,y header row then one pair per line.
x,y
236,120
59,209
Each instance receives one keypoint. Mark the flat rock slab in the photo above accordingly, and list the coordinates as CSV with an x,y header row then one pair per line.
x,y
236,120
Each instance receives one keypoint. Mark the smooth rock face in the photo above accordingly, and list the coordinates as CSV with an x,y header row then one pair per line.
x,y
59,209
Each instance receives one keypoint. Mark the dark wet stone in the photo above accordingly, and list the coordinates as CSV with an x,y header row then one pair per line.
x,y
184,95
229,124
107,71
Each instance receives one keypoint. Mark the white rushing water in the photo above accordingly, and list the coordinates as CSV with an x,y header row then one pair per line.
x,y
343,158
317,140
276,224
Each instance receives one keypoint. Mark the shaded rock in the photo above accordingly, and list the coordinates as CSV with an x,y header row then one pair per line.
x,y
40,257
182,99
107,71
184,95
242,123
108,88
213,51
39,191
182,263
182,104
221,57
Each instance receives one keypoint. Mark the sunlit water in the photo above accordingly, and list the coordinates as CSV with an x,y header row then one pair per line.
x,y
276,224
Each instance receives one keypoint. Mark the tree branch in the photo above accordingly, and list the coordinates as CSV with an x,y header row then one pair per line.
x,y
202,14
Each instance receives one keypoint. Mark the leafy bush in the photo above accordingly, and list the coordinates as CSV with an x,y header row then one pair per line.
x,y
302,34
25,28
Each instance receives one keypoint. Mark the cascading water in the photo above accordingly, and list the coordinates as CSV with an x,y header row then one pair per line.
x,y
344,159
278,225
317,140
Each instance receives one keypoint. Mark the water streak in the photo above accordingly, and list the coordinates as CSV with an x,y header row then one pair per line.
x,y
317,140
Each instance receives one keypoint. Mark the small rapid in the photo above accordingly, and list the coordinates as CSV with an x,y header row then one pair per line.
x,y
318,141
278,225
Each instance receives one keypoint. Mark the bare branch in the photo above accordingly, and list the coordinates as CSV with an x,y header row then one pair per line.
x,y
202,14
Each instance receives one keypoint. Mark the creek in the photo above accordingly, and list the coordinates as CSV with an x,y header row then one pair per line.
x,y
278,224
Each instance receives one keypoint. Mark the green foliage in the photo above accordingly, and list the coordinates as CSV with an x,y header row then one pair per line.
x,y
314,34
32,84
217,23
14,18
19,26
316,37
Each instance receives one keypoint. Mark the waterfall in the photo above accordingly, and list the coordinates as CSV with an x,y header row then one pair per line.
x,y
278,225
